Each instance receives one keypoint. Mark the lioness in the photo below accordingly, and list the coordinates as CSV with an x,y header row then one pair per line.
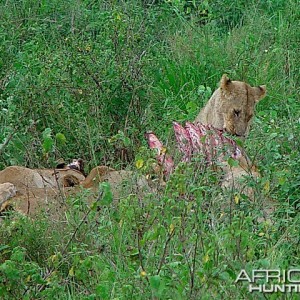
x,y
37,189
44,189
120,181
231,107
24,178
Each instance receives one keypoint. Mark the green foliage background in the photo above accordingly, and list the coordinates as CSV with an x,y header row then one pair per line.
x,y
88,78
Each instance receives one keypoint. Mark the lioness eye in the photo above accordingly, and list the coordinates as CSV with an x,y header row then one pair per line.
x,y
236,112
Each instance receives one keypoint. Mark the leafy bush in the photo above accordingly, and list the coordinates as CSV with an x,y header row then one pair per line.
x,y
87,79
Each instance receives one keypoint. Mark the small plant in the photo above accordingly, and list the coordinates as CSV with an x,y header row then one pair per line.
x,y
88,79
49,144
18,275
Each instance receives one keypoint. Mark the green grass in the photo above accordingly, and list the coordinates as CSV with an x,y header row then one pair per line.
x,y
101,73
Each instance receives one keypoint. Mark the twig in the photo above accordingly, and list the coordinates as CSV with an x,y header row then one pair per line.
x,y
79,225
8,139
10,136
193,268
72,29
58,185
162,260
139,234
93,76
43,286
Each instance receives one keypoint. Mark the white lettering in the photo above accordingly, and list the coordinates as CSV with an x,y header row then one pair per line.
x,y
279,288
255,288
274,277
293,287
258,274
266,290
240,278
289,276
272,274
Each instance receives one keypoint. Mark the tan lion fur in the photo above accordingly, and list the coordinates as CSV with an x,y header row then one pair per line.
x,y
95,176
120,181
23,178
7,191
38,189
46,189
231,107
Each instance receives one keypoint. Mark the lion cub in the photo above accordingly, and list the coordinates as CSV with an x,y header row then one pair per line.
x,y
231,107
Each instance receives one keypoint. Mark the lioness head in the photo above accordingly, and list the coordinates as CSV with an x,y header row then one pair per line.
x,y
237,103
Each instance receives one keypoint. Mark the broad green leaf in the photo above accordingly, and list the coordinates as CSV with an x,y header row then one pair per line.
x,y
232,162
60,137
18,254
127,141
47,133
107,196
47,145
139,163
155,282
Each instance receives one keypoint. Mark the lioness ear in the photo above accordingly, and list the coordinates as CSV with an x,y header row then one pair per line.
x,y
224,82
260,92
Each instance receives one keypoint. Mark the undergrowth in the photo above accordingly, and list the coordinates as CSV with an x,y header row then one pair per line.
x,y
87,79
